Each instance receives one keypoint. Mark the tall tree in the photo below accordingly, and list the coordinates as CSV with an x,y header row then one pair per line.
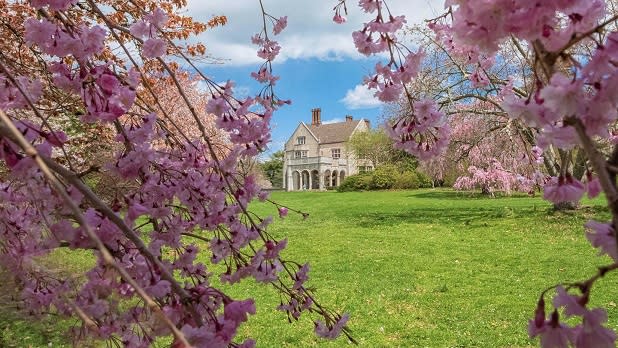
x,y
273,168
376,147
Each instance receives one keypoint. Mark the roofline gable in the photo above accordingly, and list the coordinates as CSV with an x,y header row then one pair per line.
x,y
302,124
310,132
362,120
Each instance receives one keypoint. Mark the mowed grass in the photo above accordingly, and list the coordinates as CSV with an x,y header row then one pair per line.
x,y
429,268
425,268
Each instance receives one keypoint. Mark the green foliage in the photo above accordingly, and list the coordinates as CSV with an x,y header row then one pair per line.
x,y
359,182
388,176
376,146
384,177
424,181
406,180
373,145
273,169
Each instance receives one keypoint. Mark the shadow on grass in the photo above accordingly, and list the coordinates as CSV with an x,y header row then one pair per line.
x,y
463,195
481,217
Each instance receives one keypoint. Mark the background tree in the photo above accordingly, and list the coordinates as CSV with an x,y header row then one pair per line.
x,y
464,82
376,147
273,168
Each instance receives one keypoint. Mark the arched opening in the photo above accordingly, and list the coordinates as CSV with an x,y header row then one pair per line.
x,y
296,181
341,177
315,180
306,180
334,177
327,178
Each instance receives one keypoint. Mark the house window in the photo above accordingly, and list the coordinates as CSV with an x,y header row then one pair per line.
x,y
336,153
364,169
300,140
300,154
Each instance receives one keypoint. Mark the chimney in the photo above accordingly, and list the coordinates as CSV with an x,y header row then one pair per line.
x,y
368,123
348,118
315,117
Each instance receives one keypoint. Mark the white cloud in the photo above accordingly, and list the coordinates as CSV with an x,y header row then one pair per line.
x,y
239,91
311,32
360,98
334,120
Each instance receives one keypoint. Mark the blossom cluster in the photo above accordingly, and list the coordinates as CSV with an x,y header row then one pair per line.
x,y
572,101
422,130
147,280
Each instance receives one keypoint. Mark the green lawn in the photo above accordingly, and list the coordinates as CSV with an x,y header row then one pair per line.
x,y
426,268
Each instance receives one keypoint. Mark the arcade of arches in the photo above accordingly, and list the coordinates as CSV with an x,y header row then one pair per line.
x,y
313,180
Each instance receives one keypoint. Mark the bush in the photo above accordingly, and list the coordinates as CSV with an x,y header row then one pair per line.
x,y
384,177
406,180
358,182
424,181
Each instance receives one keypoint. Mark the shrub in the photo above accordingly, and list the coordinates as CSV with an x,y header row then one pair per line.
x,y
358,182
424,181
406,180
384,177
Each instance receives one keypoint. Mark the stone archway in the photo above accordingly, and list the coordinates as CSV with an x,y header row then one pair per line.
x,y
315,180
341,177
296,181
334,177
305,180
327,178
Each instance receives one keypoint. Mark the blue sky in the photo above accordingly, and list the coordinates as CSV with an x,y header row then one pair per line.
x,y
309,83
318,64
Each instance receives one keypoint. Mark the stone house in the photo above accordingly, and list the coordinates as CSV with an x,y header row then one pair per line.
x,y
317,156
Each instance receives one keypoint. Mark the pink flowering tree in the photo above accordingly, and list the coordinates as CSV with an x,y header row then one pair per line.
x,y
494,156
571,46
121,67
489,150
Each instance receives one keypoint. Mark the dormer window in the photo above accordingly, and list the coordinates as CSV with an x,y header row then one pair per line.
x,y
336,153
300,140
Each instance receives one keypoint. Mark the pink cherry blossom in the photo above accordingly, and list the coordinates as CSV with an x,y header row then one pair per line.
x,y
140,29
339,19
563,189
154,48
157,18
269,50
602,236
572,304
562,95
369,6
592,333
280,24
56,5
283,212
332,332
237,310
593,186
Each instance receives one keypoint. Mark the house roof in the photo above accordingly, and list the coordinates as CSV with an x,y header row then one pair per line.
x,y
334,132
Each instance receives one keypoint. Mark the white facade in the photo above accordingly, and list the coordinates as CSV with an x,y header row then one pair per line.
x,y
317,156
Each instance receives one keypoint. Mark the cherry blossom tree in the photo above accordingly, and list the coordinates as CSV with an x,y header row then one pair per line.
x,y
494,156
107,67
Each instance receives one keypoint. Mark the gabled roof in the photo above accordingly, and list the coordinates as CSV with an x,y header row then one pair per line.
x,y
334,132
